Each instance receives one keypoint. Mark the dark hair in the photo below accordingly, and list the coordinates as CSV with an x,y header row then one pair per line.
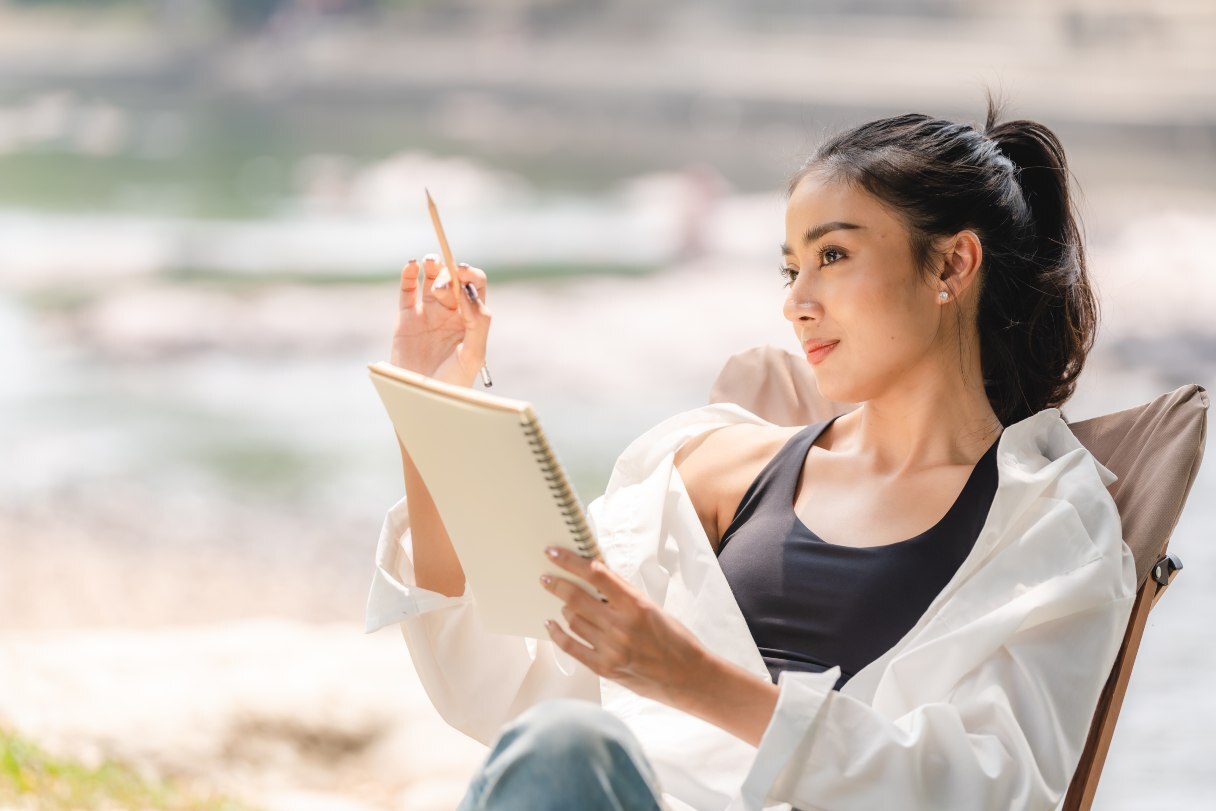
x,y
1037,314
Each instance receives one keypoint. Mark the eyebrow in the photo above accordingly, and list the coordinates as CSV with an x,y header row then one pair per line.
x,y
818,231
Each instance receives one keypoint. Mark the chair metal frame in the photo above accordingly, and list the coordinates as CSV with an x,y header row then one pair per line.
x,y
1080,795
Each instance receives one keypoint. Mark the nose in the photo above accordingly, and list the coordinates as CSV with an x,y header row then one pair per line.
x,y
798,308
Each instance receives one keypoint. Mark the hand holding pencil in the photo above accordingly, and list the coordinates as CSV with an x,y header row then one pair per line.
x,y
468,287
438,333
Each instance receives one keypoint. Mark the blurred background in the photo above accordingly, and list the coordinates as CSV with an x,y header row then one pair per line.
x,y
204,208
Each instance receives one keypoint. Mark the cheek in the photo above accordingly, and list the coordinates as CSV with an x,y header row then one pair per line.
x,y
886,331
877,315
899,318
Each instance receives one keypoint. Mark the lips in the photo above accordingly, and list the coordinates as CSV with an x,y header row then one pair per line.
x,y
816,351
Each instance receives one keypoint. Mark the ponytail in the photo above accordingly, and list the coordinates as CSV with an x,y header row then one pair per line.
x,y
1039,361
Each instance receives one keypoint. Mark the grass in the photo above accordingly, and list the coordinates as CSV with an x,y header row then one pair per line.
x,y
32,778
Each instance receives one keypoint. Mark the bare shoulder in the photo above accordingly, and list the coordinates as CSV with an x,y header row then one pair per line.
x,y
718,466
721,449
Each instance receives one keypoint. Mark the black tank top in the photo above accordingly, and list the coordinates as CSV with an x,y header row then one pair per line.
x,y
811,604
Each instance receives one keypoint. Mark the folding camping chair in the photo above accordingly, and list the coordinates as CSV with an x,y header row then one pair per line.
x,y
1155,449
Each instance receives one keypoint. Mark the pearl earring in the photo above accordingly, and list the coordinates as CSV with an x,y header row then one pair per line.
x,y
943,295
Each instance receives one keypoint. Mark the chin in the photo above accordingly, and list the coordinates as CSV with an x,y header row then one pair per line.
x,y
828,390
837,391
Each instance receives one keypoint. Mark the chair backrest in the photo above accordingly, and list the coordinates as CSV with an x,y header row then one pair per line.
x,y
1155,449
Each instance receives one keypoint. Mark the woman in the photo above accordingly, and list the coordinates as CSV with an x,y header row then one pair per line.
x,y
936,277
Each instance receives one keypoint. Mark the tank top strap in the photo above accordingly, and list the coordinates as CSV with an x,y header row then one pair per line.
x,y
774,486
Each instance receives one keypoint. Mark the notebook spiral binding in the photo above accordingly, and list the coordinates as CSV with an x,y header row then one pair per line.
x,y
572,509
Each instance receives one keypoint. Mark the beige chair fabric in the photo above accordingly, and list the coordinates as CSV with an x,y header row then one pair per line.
x,y
776,385
1155,449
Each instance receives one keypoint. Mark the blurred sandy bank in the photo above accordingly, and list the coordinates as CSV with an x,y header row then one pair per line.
x,y
285,715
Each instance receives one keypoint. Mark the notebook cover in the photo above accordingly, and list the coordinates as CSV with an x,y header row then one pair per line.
x,y
498,487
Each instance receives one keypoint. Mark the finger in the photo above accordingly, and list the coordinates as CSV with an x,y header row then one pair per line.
x,y
595,572
572,646
467,273
450,299
578,603
409,286
441,290
577,598
610,584
587,616
477,318
430,272
592,633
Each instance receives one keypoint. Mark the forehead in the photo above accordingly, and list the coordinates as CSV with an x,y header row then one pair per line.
x,y
817,199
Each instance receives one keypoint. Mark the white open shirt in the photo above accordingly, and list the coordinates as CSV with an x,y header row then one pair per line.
x,y
984,704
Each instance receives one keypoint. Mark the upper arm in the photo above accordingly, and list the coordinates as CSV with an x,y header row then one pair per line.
x,y
692,464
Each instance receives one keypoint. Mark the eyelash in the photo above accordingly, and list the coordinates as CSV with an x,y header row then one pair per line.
x,y
789,274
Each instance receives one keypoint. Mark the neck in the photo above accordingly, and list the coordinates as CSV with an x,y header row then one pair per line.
x,y
915,426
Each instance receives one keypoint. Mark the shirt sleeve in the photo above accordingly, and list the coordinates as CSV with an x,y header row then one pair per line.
x,y
477,680
1009,734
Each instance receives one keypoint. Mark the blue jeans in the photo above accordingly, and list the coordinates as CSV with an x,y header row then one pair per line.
x,y
562,754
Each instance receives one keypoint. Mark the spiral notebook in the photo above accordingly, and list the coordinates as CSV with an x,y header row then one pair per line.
x,y
500,490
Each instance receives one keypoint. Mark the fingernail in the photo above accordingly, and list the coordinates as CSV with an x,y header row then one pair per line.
x,y
412,262
462,264
545,579
440,285
431,257
552,551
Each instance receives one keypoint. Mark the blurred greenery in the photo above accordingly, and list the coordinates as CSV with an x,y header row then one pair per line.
x,y
229,160
77,3
32,778
503,273
247,16
259,465
232,158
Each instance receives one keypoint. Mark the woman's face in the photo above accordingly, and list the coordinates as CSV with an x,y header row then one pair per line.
x,y
854,281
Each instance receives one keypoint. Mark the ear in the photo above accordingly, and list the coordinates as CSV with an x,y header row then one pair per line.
x,y
962,256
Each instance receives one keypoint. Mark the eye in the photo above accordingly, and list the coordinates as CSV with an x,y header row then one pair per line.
x,y
827,251
828,255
